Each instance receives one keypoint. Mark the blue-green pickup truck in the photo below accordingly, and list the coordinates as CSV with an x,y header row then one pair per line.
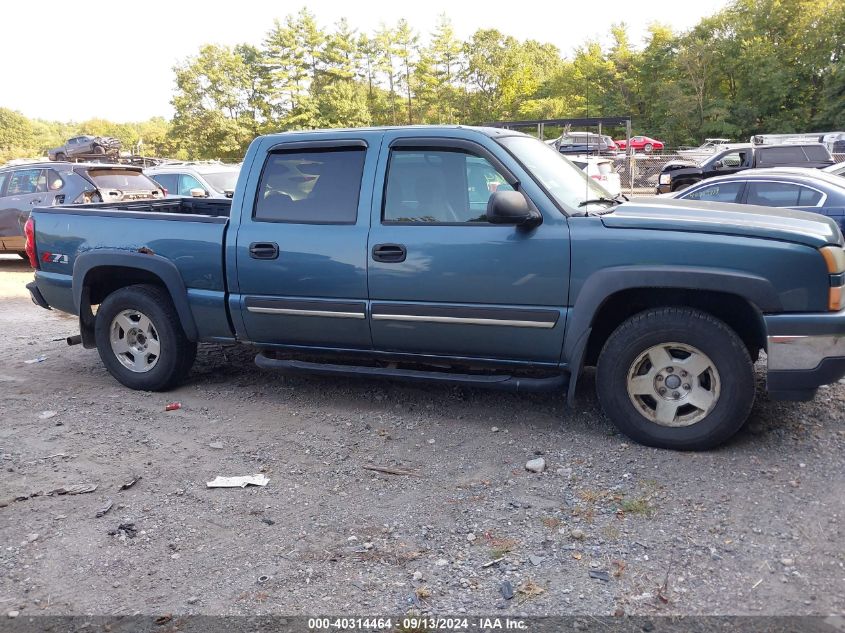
x,y
459,255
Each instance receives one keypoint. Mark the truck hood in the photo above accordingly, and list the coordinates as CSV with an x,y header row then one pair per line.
x,y
666,214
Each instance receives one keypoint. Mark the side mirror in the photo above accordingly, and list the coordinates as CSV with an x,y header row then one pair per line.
x,y
510,207
196,192
718,164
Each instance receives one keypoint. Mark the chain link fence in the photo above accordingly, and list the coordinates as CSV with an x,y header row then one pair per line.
x,y
639,173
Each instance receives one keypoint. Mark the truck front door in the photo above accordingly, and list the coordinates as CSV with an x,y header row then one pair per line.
x,y
443,281
301,245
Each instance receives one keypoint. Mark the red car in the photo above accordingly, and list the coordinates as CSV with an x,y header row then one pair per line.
x,y
642,144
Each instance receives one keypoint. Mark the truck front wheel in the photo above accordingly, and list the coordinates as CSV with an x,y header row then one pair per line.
x,y
140,339
676,378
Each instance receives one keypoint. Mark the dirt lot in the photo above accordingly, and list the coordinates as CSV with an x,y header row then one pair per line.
x,y
756,527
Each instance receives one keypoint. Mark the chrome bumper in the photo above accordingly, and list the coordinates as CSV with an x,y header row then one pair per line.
x,y
803,352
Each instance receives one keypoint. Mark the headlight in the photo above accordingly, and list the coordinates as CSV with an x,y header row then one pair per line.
x,y
665,179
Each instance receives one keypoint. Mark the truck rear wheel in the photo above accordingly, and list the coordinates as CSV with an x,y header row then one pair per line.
x,y
140,339
676,378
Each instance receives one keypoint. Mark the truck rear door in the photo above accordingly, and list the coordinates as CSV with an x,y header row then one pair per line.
x,y
301,244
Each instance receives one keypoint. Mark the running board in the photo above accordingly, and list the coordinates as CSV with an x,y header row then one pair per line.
x,y
490,381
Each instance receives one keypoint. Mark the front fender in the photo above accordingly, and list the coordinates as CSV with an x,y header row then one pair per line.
x,y
602,284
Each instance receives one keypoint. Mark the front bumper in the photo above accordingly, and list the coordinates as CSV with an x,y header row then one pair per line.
x,y
804,352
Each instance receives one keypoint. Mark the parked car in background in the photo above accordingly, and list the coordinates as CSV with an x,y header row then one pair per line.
x,y
641,144
85,147
837,169
587,143
679,174
611,144
600,170
199,180
47,184
801,188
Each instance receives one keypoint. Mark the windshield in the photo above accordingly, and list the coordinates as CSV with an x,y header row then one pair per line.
x,y
569,186
222,181
122,179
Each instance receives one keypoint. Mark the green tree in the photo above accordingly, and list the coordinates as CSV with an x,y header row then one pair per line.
x,y
217,113
16,135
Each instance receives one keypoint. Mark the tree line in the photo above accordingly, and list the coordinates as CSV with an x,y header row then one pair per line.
x,y
756,66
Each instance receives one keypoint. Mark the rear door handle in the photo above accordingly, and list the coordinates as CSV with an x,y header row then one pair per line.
x,y
264,250
389,253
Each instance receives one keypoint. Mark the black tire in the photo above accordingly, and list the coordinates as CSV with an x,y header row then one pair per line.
x,y
177,353
99,150
648,147
60,158
693,328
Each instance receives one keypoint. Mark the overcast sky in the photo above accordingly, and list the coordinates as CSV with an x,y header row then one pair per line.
x,y
74,60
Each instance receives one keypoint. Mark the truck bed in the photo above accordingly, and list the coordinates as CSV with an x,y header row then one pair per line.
x,y
187,233
180,206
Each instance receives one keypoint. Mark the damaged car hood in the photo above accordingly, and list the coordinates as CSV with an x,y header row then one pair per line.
x,y
810,229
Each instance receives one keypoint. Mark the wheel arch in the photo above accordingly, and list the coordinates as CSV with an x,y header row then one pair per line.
x,y
97,274
610,296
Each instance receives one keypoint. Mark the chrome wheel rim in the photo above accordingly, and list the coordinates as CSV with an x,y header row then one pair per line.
x,y
673,384
134,341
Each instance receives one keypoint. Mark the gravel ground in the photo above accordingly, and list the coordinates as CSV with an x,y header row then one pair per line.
x,y
608,527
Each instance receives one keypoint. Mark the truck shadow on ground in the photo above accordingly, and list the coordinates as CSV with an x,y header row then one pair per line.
x,y
232,366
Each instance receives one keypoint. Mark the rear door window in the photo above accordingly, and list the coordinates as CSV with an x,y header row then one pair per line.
x,y
773,194
719,192
311,186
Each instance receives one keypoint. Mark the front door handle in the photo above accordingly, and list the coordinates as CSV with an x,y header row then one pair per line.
x,y
264,250
389,253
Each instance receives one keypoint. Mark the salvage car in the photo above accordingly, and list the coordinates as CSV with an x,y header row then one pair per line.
x,y
388,267
794,187
641,144
23,187
586,143
679,174
200,180
82,147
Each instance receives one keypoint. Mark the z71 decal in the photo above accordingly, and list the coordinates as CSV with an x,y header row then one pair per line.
x,y
56,258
